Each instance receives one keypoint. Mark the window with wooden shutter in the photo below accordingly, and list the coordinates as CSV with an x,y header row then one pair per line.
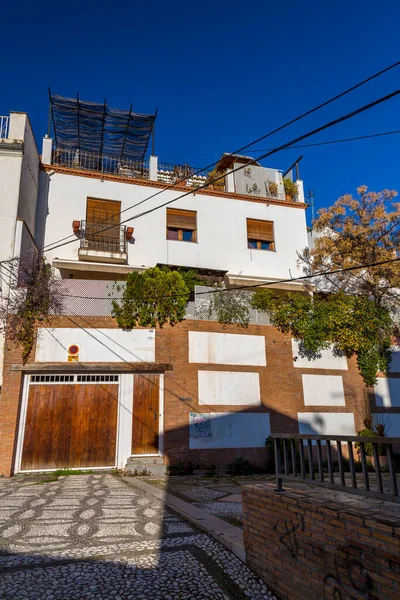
x,y
181,225
260,235
103,224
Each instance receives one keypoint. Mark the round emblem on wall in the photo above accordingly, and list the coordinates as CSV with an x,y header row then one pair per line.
x,y
74,349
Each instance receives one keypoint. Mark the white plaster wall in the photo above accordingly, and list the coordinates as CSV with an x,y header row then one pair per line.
x,y
96,345
326,423
10,169
395,364
323,390
227,388
387,392
19,173
29,184
226,348
221,226
327,361
234,430
392,423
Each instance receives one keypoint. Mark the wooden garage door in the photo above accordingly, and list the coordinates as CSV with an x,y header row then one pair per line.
x,y
70,426
145,418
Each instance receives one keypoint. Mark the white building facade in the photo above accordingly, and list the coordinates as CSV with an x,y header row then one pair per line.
x,y
198,391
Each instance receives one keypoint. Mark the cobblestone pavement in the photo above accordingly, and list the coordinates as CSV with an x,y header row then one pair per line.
x,y
93,536
220,496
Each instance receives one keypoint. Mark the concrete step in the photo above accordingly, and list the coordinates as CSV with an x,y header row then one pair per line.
x,y
145,465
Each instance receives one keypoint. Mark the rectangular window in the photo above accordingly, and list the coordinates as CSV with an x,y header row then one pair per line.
x,y
181,225
260,235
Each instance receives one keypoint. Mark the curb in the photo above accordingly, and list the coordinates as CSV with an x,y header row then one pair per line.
x,y
228,535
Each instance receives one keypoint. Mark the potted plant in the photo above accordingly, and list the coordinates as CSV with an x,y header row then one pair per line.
x,y
291,190
271,189
217,185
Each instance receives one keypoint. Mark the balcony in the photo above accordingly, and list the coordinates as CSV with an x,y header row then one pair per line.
x,y
4,127
91,161
234,173
99,243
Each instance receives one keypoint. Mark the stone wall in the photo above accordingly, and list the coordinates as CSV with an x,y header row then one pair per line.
x,y
314,543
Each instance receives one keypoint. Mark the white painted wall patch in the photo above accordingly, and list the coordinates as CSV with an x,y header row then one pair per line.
x,y
227,388
323,390
326,423
328,360
387,392
234,430
96,345
226,348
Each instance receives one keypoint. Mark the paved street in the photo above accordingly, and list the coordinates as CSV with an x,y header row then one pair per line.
x,y
94,536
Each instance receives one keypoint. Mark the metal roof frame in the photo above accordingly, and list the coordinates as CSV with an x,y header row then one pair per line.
x,y
91,127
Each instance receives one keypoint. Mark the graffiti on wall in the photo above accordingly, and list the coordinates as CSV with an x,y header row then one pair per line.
x,y
346,570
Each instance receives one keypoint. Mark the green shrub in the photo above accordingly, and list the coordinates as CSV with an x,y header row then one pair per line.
x,y
240,466
181,468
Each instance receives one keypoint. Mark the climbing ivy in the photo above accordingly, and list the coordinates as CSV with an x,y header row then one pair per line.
x,y
154,297
354,325
34,298
230,307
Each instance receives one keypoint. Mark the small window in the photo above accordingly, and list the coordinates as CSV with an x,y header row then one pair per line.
x,y
260,235
181,225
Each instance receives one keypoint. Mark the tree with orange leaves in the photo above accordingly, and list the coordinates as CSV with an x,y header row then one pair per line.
x,y
358,231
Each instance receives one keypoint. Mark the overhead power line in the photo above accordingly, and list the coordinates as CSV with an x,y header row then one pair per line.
x,y
341,141
57,244
265,136
269,153
239,168
250,287
351,139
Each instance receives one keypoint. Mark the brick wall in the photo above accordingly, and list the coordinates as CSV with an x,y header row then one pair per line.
x,y
280,385
311,544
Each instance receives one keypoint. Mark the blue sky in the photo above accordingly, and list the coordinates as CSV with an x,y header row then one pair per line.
x,y
220,74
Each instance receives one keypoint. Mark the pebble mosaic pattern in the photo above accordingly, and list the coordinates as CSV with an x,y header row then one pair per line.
x,y
95,537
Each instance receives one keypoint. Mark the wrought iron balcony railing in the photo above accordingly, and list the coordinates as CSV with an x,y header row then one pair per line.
x,y
91,161
4,127
103,238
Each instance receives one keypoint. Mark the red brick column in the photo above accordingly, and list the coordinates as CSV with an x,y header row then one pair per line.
x,y
10,400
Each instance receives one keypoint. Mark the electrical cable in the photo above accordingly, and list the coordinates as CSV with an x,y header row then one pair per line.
x,y
265,155
280,128
250,287
52,246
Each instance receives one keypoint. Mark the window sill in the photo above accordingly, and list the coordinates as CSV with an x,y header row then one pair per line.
x,y
259,250
182,241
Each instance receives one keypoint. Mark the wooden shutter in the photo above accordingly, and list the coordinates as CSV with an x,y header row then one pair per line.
x,y
100,215
181,219
262,231
102,210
